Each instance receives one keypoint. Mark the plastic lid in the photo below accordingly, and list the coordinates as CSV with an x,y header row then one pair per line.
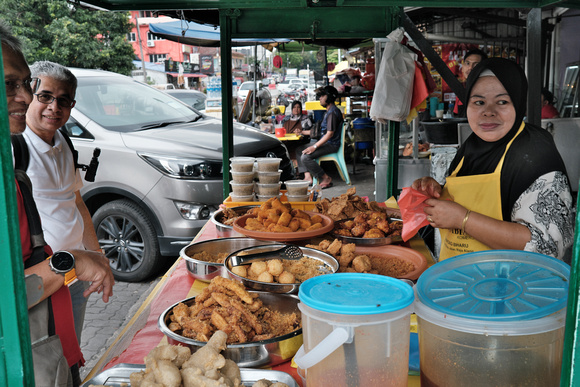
x,y
496,285
355,293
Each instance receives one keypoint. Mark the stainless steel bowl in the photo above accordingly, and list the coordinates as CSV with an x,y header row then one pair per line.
x,y
225,231
265,353
205,271
324,258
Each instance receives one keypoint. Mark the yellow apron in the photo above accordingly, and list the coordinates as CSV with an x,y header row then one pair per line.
x,y
479,193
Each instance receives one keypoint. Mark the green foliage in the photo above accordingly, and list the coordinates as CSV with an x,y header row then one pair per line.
x,y
301,60
72,36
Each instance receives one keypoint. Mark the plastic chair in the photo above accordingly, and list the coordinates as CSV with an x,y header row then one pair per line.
x,y
337,157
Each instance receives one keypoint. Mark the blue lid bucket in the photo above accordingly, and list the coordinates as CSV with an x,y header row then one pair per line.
x,y
354,322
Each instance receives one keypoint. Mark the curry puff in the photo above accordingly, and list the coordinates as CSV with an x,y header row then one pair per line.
x,y
275,216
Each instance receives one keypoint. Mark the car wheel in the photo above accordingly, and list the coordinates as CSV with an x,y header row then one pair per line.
x,y
129,240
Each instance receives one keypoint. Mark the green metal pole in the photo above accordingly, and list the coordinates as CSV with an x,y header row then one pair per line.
x,y
227,113
16,367
393,157
571,357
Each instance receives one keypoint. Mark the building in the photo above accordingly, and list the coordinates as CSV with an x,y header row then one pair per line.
x,y
193,62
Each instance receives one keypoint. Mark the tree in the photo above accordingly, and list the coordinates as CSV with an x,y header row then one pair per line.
x,y
65,33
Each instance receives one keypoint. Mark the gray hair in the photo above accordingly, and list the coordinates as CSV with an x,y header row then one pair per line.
x,y
45,68
8,39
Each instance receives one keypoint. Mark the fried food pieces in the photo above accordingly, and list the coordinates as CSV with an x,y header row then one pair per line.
x,y
176,366
369,224
283,271
229,215
275,216
226,305
347,205
351,262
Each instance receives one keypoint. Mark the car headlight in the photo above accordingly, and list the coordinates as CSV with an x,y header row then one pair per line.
x,y
192,211
185,168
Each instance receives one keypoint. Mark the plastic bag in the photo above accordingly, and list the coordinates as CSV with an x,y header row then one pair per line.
x,y
394,82
411,204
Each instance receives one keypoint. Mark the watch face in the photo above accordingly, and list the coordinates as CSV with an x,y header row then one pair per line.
x,y
63,261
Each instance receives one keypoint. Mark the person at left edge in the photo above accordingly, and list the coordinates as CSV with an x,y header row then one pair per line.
x,y
80,263
56,182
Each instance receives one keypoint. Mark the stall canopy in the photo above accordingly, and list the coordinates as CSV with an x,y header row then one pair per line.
x,y
204,35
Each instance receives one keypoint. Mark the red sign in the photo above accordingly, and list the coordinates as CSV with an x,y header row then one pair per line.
x,y
277,61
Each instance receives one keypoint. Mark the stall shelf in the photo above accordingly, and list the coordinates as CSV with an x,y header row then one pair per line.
x,y
141,333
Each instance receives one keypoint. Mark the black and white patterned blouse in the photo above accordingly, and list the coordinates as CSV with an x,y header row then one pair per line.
x,y
546,208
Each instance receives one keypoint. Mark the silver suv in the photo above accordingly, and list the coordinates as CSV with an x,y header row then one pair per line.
x,y
160,168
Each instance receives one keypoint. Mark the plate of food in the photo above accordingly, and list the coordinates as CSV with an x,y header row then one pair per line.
x,y
278,275
370,229
290,226
224,218
263,329
392,260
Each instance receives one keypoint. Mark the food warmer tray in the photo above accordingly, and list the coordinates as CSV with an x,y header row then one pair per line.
x,y
118,376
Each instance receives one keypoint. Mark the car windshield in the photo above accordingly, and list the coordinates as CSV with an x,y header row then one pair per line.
x,y
192,99
124,105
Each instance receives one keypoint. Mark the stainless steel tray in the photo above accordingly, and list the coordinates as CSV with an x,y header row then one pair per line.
x,y
118,376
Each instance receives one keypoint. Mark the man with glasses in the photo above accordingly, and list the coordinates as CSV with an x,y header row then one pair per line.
x,y
55,350
56,181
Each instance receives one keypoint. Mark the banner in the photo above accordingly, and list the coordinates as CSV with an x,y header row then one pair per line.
x,y
181,67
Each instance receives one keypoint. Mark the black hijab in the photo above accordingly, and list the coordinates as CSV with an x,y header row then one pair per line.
x,y
532,154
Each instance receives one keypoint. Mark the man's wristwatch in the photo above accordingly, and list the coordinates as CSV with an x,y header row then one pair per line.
x,y
63,262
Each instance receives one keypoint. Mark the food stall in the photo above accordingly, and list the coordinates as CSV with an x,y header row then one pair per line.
x,y
183,281
322,21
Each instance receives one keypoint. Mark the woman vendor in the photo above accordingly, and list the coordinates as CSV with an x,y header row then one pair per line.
x,y
507,186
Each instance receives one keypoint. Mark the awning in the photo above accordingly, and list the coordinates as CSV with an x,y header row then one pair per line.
x,y
188,75
196,34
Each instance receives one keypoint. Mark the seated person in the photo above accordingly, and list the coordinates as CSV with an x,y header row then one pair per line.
x,y
548,108
329,142
297,122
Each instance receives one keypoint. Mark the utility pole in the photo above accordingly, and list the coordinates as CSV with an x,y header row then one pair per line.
x,y
141,50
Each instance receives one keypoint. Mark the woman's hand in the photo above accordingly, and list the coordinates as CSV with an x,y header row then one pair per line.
x,y
444,213
428,186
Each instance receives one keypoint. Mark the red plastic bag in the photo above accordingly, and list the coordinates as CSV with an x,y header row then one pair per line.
x,y
411,204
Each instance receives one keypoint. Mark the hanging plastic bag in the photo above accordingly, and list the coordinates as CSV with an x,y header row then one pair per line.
x,y
394,82
411,204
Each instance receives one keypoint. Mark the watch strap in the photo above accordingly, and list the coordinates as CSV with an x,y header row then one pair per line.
x,y
70,277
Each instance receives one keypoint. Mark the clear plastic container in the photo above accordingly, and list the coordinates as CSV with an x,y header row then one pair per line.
x,y
356,330
297,198
492,318
265,198
242,164
242,198
242,177
242,189
268,164
269,177
296,187
268,189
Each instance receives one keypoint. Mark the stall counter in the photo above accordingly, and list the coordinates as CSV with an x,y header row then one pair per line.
x,y
141,334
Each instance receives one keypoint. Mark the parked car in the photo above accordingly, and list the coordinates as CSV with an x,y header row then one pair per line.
x,y
160,169
285,85
193,98
245,89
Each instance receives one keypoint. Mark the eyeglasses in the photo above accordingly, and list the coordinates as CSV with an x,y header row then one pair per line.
x,y
30,86
60,101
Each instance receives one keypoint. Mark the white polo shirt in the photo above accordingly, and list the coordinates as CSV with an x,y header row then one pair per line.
x,y
55,181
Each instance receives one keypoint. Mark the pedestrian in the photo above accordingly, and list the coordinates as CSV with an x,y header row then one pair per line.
x,y
56,354
329,142
548,108
56,181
